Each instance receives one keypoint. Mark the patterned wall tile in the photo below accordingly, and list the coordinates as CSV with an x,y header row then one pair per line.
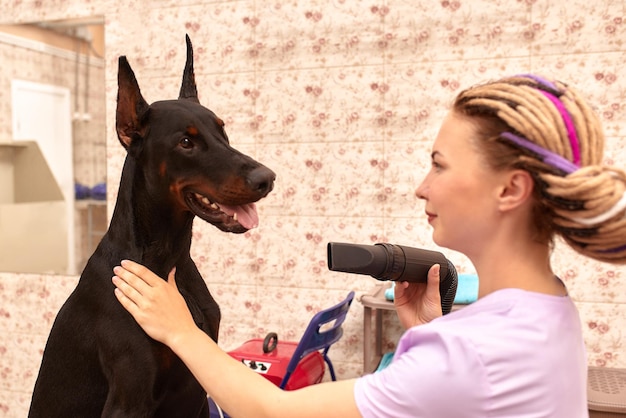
x,y
317,34
558,28
455,30
604,326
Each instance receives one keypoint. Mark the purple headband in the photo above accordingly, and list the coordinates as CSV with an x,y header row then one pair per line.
x,y
540,80
571,130
613,250
548,157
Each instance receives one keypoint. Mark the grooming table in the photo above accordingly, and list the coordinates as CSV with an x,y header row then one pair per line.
x,y
375,301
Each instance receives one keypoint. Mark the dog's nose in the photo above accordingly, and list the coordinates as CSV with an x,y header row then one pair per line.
x,y
261,180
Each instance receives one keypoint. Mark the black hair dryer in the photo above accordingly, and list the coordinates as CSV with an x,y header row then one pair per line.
x,y
385,261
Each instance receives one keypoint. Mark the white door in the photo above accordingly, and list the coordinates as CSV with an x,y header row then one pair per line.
x,y
42,113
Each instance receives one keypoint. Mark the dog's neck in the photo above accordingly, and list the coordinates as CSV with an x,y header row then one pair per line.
x,y
154,232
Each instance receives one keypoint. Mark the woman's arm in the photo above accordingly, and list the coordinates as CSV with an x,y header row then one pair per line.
x,y
161,311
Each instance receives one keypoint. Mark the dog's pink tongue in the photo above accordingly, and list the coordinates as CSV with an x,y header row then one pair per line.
x,y
246,214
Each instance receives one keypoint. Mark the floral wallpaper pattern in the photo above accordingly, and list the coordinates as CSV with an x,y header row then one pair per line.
x,y
341,98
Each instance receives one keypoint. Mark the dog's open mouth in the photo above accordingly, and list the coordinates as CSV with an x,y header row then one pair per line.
x,y
236,219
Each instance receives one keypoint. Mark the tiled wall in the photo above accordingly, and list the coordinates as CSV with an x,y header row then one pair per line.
x,y
342,99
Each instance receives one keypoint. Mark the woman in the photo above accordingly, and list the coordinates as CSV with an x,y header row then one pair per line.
x,y
515,164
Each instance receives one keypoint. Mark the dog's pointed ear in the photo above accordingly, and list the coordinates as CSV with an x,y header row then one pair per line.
x,y
131,106
188,88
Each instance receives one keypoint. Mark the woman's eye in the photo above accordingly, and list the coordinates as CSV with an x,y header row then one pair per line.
x,y
186,143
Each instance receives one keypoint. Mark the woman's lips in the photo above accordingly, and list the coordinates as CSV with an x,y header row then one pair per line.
x,y
430,216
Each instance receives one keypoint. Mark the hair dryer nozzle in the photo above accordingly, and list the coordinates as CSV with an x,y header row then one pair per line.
x,y
356,258
385,261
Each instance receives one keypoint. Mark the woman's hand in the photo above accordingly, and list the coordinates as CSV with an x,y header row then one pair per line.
x,y
156,304
418,303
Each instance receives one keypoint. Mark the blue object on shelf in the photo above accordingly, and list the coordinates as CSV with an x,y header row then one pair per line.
x,y
81,191
99,191
466,290
385,360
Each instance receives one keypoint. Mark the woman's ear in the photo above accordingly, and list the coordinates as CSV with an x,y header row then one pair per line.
x,y
516,190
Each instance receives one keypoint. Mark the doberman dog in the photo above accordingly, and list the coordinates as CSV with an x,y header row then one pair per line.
x,y
179,164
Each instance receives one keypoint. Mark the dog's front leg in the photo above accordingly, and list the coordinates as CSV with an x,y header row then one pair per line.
x,y
149,380
130,363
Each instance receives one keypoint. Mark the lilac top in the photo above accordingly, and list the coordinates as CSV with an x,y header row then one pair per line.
x,y
510,354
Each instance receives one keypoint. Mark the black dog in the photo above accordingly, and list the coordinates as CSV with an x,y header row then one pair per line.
x,y
97,361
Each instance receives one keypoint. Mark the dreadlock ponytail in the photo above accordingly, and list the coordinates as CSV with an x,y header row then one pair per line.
x,y
547,129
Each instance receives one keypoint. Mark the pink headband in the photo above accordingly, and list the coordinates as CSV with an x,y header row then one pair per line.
x,y
571,131
551,91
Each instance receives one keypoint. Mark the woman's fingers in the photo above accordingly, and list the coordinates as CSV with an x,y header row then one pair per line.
x,y
141,272
433,282
133,283
127,296
125,291
126,302
137,283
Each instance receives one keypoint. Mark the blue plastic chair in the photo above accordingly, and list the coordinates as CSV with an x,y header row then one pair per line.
x,y
324,329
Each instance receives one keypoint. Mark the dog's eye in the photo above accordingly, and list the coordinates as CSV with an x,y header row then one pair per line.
x,y
186,143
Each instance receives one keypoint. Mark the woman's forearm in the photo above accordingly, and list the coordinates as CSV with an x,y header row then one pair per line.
x,y
243,393
223,377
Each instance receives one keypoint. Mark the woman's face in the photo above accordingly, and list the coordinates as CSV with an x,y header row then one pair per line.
x,y
460,189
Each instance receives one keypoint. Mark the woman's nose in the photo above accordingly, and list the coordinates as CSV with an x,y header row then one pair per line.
x,y
421,191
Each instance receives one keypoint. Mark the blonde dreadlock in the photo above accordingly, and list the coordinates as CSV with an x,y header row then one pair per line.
x,y
546,128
